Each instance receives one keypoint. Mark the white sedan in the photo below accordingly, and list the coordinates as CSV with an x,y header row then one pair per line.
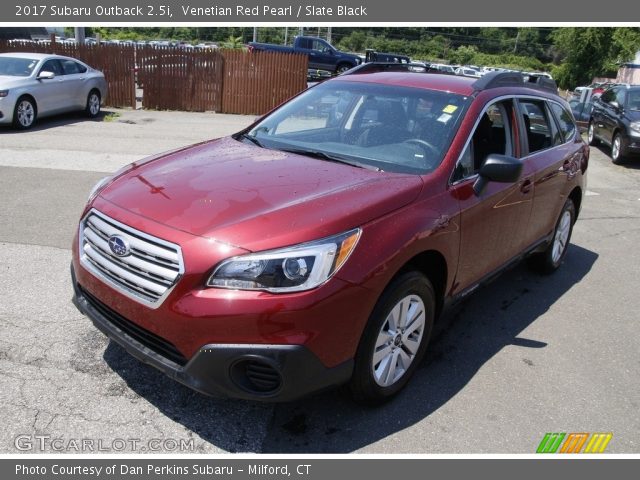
x,y
34,85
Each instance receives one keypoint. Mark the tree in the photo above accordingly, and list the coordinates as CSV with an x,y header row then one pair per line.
x,y
233,43
587,53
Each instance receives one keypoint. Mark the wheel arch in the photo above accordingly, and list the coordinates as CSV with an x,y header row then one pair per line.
x,y
30,97
576,198
433,265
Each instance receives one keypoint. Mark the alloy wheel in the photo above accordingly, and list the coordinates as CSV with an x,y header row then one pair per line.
x,y
398,341
26,113
561,236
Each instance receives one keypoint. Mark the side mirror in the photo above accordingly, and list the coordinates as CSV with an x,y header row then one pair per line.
x,y
614,104
497,168
46,75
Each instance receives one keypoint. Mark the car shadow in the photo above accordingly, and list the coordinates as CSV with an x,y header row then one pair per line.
x,y
331,422
61,120
632,162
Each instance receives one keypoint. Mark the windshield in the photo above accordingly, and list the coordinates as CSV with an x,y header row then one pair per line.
x,y
17,67
383,127
634,100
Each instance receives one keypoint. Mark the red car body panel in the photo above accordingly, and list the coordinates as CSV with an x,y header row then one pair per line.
x,y
224,198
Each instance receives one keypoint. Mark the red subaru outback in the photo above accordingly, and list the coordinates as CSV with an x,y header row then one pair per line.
x,y
320,245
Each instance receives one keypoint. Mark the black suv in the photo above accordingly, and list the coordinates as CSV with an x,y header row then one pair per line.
x,y
615,120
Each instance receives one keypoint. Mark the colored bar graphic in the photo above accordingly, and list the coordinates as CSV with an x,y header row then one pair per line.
x,y
598,442
550,443
574,442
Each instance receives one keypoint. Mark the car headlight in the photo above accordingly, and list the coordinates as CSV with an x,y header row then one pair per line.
x,y
291,269
635,127
4,93
98,187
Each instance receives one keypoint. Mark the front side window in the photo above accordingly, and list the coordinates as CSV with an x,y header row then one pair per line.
x,y
390,128
52,66
634,100
492,134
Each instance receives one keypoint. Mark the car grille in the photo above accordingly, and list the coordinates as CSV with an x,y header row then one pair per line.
x,y
146,274
150,340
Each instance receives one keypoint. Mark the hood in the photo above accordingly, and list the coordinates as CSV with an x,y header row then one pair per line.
x,y
634,115
257,198
8,81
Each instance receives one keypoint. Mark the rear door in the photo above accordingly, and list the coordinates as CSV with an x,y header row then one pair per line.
x,y
75,75
553,152
492,224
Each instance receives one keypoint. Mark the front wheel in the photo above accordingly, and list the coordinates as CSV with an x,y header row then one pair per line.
x,y
343,67
618,149
591,134
548,261
395,339
93,104
24,113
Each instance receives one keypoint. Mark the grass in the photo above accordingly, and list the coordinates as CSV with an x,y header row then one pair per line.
x,y
111,116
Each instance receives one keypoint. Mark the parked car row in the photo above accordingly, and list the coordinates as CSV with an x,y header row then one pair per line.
x,y
135,43
615,121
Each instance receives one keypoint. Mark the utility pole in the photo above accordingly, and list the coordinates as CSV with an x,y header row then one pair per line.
x,y
255,34
79,34
515,48
301,31
286,35
329,34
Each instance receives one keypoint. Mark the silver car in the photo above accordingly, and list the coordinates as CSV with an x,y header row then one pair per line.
x,y
35,85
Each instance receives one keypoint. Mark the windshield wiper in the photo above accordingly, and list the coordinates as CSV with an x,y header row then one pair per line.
x,y
329,157
252,139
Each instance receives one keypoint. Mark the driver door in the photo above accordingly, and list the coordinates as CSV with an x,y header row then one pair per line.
x,y
492,223
51,93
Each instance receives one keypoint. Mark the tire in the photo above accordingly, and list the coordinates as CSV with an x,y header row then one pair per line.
x,y
343,67
618,149
92,108
388,354
591,135
24,113
548,261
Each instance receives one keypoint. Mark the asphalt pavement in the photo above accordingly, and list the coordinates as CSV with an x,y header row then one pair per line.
x,y
524,356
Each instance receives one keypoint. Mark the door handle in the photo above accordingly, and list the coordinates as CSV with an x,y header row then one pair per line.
x,y
526,186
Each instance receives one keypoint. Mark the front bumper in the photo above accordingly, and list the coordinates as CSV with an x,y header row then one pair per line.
x,y
249,371
7,104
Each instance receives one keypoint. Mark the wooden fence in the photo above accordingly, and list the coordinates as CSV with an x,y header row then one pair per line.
x,y
175,79
255,82
224,81
115,61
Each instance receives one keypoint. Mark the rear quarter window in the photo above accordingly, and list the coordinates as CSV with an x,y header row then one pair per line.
x,y
565,121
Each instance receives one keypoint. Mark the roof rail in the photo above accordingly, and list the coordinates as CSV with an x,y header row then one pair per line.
x,y
499,79
373,67
543,82
514,79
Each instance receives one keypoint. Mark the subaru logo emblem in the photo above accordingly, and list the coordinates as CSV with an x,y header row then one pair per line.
x,y
118,245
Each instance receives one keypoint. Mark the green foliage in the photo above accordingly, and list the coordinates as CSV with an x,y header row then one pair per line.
x,y
233,43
